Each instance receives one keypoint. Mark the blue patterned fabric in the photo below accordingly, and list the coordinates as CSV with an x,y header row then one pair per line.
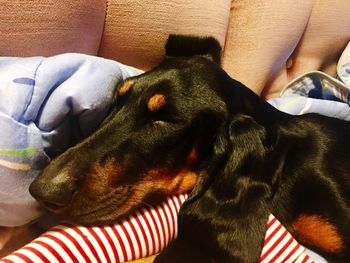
x,y
318,92
47,105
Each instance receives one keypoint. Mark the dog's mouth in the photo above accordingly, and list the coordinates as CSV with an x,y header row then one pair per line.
x,y
55,208
109,192
58,208
99,216
89,208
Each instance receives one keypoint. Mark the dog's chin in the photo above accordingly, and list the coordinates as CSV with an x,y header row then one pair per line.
x,y
108,215
100,216
95,219
90,221
112,211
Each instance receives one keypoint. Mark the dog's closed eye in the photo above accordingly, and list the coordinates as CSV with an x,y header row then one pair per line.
x,y
160,124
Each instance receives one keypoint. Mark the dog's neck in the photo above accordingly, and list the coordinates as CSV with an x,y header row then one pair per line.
x,y
247,102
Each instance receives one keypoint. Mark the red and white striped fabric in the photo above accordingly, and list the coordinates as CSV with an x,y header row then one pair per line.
x,y
142,235
280,246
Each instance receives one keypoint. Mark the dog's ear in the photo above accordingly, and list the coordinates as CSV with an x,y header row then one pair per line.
x,y
185,46
227,213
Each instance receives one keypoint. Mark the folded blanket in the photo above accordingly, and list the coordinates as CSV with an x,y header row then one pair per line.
x,y
46,106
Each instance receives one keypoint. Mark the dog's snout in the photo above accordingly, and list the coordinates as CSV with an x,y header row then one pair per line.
x,y
55,193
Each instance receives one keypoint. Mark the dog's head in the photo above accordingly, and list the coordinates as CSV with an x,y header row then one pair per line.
x,y
164,127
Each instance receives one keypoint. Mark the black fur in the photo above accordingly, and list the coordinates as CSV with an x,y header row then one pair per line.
x,y
204,46
252,160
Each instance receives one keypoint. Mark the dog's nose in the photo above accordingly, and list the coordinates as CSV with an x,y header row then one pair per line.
x,y
54,194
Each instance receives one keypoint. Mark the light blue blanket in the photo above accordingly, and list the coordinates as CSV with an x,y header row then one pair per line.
x,y
47,105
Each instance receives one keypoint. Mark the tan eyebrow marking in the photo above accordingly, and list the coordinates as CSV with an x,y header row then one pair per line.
x,y
126,87
156,102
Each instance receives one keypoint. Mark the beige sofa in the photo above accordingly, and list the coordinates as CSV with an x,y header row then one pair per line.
x,y
266,43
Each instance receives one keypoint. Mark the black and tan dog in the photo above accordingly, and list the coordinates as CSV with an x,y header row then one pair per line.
x,y
187,125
